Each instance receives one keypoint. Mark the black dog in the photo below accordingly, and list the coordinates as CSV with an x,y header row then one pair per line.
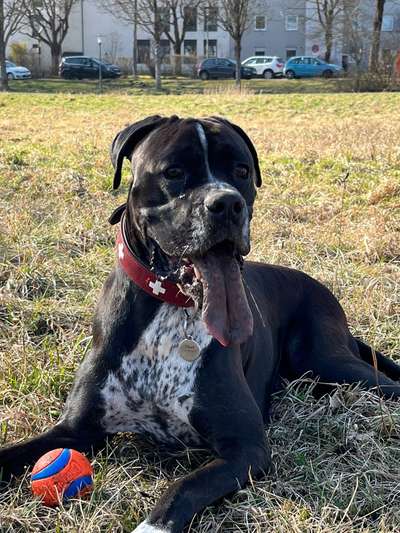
x,y
189,341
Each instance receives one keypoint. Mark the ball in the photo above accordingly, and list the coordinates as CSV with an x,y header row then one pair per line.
x,y
61,474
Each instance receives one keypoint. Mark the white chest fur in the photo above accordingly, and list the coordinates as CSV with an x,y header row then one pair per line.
x,y
152,392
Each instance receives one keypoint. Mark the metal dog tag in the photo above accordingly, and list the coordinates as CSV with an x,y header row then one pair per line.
x,y
189,350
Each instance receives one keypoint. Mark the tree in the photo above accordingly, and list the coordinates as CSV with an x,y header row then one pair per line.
x,y
328,15
180,12
154,17
125,10
48,22
11,17
3,71
376,35
234,17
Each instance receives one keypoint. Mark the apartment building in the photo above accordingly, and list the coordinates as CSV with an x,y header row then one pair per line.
x,y
284,28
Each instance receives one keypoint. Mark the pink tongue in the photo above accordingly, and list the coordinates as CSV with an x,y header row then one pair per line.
x,y
226,311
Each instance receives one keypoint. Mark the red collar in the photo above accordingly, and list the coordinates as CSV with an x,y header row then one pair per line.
x,y
162,289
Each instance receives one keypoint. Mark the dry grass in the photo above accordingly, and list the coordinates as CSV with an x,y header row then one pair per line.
x,y
329,205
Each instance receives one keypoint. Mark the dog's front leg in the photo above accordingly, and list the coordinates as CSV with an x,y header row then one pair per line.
x,y
227,416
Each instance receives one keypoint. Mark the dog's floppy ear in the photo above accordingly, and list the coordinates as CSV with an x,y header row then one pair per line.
x,y
126,141
247,140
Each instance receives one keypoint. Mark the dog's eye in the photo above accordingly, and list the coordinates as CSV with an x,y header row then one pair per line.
x,y
242,171
174,173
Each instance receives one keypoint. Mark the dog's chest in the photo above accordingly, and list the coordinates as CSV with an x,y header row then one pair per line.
x,y
152,392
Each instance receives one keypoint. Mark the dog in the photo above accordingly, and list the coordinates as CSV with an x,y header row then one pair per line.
x,y
190,340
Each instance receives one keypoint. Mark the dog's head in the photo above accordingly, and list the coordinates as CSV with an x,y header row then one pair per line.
x,y
190,205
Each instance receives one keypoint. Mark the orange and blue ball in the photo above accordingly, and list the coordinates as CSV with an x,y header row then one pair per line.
x,y
61,474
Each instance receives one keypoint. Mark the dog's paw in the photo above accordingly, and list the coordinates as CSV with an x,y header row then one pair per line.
x,y
145,527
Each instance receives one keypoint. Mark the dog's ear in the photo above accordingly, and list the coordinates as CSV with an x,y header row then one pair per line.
x,y
125,142
247,140
116,215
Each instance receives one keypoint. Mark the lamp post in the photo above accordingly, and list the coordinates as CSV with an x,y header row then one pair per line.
x,y
99,42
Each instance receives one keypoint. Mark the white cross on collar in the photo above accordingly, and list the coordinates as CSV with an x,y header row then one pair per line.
x,y
121,250
157,287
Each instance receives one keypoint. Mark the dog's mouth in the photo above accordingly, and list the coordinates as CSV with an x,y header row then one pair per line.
x,y
214,281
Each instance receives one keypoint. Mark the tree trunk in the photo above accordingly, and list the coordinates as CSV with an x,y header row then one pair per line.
x,y
3,70
177,58
157,65
238,50
134,50
55,50
328,43
376,35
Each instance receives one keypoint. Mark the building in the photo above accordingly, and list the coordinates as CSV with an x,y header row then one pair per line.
x,y
284,28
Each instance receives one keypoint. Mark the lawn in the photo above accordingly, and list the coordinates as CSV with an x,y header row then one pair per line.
x,y
329,205
145,85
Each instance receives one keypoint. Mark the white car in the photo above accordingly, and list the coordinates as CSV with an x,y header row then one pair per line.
x,y
266,66
17,73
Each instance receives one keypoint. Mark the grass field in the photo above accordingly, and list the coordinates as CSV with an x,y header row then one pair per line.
x,y
329,205
145,85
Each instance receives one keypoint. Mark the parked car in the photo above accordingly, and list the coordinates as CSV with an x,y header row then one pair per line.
x,y
266,66
308,67
14,72
215,67
86,67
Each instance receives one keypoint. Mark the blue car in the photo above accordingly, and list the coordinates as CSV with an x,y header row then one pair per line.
x,y
309,67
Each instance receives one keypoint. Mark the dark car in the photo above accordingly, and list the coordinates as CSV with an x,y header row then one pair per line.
x,y
86,67
215,67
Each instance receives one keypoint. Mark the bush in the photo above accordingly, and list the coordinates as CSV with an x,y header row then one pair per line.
x,y
380,80
21,55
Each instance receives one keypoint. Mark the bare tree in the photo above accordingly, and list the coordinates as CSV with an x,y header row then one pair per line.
x,y
180,13
356,30
234,17
154,17
48,22
328,14
376,35
3,71
11,17
127,11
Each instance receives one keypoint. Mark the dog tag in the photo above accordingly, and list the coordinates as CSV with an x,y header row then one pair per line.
x,y
189,350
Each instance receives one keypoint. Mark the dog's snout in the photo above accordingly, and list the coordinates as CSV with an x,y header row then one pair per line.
x,y
225,205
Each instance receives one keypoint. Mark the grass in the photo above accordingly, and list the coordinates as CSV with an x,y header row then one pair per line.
x,y
183,85
329,205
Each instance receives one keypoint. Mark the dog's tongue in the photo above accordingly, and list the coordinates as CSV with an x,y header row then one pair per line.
x,y
226,311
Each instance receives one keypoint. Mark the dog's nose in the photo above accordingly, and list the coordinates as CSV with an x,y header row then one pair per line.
x,y
225,205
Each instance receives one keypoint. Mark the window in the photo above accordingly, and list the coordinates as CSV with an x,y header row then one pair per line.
x,y
291,52
211,18
292,22
260,23
189,50
165,51
210,47
143,49
259,52
190,18
190,47
387,23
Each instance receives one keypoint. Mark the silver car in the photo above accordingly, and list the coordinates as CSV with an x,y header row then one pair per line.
x,y
15,72
266,66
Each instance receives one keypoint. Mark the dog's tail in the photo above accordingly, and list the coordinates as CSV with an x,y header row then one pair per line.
x,y
373,357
